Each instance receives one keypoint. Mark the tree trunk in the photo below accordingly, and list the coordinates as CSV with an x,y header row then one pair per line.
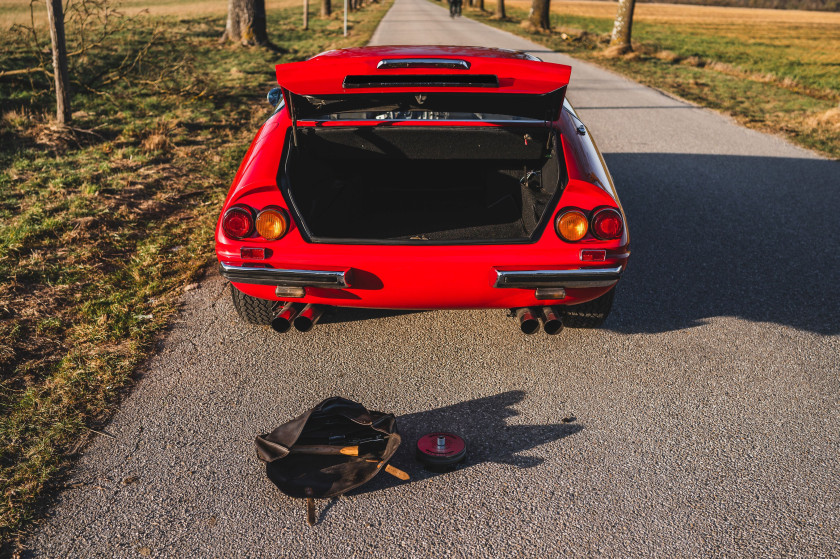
x,y
623,25
55,13
540,14
500,10
246,22
481,5
305,15
326,8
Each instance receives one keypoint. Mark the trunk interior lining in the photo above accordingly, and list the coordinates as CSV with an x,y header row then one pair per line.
x,y
434,185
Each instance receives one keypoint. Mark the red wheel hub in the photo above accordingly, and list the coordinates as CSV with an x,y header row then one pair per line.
x,y
441,450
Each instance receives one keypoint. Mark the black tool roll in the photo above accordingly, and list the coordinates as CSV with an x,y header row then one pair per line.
x,y
336,446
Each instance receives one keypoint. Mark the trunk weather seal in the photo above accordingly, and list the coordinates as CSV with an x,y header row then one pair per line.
x,y
288,95
308,237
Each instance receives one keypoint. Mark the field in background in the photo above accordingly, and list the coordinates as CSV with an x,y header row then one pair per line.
x,y
774,70
102,225
17,11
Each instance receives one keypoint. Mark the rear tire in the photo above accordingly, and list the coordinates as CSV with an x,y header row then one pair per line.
x,y
591,314
252,309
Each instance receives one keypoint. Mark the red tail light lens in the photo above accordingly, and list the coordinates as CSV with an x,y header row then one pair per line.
x,y
238,222
606,224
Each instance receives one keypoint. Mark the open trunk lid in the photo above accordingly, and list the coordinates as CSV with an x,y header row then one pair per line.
x,y
439,79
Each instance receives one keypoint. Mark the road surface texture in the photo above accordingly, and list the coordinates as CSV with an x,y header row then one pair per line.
x,y
707,417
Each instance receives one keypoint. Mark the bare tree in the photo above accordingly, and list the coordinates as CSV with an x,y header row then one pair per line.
x,y
246,22
622,28
326,8
500,10
540,15
55,13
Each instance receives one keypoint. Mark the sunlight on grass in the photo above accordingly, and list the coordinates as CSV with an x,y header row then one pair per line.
x,y
103,223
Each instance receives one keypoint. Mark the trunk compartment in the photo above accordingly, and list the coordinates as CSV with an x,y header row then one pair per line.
x,y
423,184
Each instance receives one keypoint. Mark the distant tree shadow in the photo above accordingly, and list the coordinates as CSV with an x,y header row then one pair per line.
x,y
483,425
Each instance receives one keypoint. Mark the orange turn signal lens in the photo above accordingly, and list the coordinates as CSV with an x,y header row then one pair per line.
x,y
272,223
572,225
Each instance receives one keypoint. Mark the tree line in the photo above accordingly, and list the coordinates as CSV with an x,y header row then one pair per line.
x,y
817,5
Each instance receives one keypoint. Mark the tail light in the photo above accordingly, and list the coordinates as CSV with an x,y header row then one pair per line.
x,y
606,224
572,225
238,222
272,223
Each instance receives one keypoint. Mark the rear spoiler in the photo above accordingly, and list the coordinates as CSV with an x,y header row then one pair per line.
x,y
329,74
328,83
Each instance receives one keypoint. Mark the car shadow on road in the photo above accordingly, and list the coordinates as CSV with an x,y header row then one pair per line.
x,y
756,238
349,314
483,423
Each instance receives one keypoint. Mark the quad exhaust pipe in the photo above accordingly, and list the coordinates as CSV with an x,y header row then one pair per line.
x,y
308,317
552,321
282,322
529,320
303,318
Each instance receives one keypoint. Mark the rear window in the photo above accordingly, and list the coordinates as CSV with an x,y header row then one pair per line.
x,y
437,105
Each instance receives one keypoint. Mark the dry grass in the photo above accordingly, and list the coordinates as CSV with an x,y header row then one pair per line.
x,y
667,56
828,119
103,223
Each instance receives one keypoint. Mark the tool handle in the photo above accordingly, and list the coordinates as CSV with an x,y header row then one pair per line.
x,y
397,473
394,471
323,449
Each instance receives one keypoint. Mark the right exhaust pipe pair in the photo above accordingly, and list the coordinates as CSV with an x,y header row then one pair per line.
x,y
529,320
303,319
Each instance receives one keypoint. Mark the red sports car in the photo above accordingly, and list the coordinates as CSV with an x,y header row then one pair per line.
x,y
408,177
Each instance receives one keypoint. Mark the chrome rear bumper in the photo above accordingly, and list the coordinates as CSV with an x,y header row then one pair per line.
x,y
532,279
284,277
522,279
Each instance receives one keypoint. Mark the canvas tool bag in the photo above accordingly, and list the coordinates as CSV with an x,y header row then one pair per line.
x,y
336,446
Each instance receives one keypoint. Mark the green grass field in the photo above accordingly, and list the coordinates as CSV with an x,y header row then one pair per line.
x,y
772,70
102,225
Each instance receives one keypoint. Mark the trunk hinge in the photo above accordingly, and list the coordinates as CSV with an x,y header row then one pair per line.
x,y
288,95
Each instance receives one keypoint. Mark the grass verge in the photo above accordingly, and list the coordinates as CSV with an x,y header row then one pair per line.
x,y
773,74
104,224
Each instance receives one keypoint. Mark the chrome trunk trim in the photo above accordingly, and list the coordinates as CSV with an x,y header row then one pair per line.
x,y
285,277
451,63
532,279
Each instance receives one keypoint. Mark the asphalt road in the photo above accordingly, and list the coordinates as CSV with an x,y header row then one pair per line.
x,y
707,416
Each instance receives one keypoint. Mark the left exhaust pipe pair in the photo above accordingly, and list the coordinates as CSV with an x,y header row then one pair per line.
x,y
529,320
303,319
